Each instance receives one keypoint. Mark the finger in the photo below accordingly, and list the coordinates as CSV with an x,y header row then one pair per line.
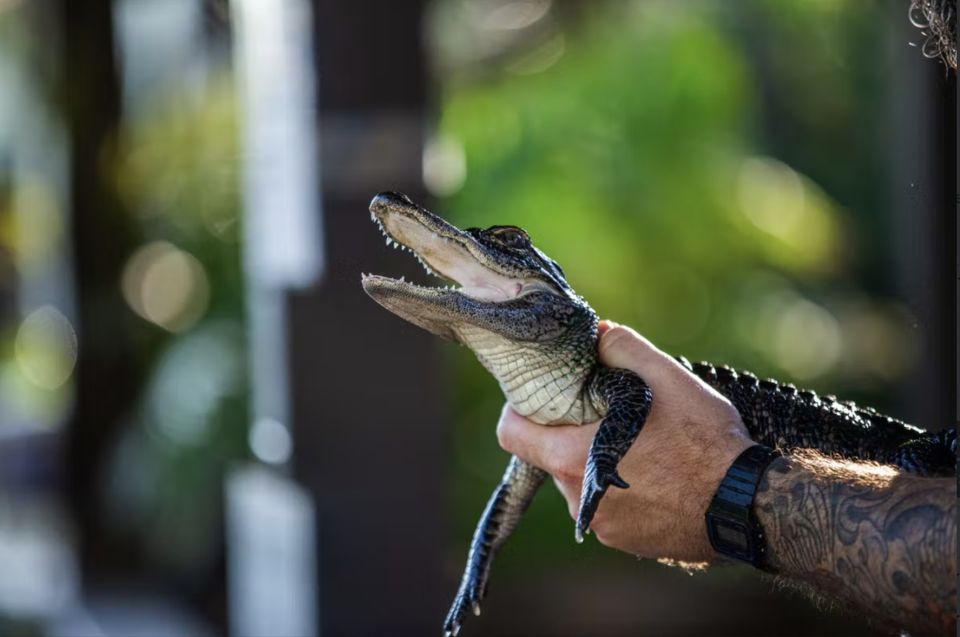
x,y
571,493
621,346
561,451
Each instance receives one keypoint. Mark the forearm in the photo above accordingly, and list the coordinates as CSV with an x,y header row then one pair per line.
x,y
874,539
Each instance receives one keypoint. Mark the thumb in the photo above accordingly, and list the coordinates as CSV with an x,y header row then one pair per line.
x,y
623,347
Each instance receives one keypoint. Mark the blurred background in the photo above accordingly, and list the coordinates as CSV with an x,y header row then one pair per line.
x,y
206,428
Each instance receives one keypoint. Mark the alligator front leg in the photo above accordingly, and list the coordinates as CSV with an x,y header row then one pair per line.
x,y
508,502
625,399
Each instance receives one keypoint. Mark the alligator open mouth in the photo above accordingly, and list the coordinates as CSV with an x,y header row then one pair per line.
x,y
444,251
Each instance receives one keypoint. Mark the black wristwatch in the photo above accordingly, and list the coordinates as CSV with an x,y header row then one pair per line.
x,y
731,524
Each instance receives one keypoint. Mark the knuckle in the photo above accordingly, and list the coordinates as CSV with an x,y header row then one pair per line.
x,y
602,532
558,462
614,337
504,438
507,436
567,473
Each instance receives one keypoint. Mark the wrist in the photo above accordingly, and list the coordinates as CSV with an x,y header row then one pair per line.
x,y
715,464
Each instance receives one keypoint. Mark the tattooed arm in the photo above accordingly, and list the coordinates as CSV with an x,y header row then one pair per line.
x,y
880,542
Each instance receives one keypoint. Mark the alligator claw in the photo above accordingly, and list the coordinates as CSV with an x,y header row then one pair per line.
x,y
467,601
617,481
597,478
578,534
589,501
628,399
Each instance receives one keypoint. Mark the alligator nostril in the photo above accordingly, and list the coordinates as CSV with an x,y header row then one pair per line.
x,y
387,199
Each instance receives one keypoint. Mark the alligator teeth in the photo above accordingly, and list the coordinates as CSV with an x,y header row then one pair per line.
x,y
390,241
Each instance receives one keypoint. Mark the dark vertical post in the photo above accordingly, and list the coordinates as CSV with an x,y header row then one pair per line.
x,y
368,402
107,373
925,127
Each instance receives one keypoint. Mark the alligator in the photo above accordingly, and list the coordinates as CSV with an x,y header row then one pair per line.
x,y
511,304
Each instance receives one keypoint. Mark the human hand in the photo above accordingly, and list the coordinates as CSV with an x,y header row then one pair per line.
x,y
690,439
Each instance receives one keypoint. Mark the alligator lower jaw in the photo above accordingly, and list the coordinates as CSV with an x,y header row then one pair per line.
x,y
374,283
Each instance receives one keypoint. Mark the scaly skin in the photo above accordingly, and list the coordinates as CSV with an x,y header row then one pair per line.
x,y
780,415
528,327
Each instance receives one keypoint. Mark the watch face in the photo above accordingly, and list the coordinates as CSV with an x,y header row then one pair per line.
x,y
733,535
731,538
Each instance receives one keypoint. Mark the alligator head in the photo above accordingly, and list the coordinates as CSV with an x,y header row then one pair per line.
x,y
510,304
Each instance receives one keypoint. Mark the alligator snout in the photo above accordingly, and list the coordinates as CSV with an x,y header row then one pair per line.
x,y
390,200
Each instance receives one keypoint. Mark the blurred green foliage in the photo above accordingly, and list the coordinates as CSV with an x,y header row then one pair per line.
x,y
646,159
178,173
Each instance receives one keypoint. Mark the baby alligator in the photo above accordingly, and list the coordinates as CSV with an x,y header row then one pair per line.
x,y
526,325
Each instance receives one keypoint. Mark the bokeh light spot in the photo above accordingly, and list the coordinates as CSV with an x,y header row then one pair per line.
x,y
791,209
46,348
771,196
194,378
541,58
516,15
807,339
444,166
270,441
166,286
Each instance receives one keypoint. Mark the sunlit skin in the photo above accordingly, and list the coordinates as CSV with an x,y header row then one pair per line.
x,y
875,540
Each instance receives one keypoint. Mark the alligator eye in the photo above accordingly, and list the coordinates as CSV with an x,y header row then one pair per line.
x,y
510,236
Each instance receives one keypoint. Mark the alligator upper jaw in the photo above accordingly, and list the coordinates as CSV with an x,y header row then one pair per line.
x,y
442,248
